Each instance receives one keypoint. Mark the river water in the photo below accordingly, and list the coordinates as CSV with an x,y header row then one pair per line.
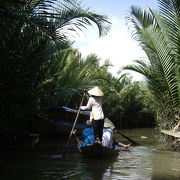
x,y
45,161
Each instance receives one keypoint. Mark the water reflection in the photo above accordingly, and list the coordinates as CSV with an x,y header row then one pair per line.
x,y
166,165
133,165
97,168
45,162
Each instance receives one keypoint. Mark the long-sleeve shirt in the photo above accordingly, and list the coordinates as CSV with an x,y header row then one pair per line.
x,y
95,103
88,136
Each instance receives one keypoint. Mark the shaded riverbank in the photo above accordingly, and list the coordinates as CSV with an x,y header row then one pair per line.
x,y
45,161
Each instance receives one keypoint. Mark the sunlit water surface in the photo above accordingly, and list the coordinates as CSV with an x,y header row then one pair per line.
x,y
45,161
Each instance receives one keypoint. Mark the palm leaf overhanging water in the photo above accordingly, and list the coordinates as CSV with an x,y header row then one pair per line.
x,y
159,36
32,39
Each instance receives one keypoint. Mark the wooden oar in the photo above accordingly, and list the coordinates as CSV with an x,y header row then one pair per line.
x,y
132,141
72,130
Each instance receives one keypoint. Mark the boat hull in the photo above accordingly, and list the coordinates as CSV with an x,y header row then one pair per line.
x,y
98,151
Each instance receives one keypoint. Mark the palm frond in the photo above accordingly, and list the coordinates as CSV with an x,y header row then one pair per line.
x,y
71,16
141,19
153,30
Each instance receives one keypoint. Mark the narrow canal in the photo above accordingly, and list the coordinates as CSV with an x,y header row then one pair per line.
x,y
45,161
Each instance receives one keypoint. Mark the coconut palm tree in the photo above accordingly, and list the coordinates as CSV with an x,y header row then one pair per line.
x,y
52,17
68,75
126,103
159,34
31,33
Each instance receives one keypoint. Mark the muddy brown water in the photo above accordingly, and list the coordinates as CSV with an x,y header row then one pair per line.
x,y
46,161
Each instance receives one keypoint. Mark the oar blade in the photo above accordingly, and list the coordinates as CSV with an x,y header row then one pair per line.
x,y
129,139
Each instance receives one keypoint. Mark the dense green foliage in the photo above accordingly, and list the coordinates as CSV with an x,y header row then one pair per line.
x,y
159,36
33,38
128,104
68,75
39,68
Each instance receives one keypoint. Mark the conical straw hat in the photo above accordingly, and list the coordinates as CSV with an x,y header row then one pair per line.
x,y
96,92
108,124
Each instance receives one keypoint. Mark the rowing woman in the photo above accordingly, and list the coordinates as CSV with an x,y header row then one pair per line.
x,y
95,104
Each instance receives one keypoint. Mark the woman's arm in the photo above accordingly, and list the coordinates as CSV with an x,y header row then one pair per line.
x,y
88,106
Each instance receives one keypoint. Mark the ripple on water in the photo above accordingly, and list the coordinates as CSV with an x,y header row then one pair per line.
x,y
137,163
133,164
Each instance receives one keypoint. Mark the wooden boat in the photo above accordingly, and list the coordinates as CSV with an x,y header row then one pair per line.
x,y
60,128
98,151
58,121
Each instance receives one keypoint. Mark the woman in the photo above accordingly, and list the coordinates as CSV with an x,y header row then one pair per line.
x,y
108,135
97,115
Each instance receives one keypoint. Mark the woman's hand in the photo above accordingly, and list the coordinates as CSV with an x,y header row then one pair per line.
x,y
86,90
82,107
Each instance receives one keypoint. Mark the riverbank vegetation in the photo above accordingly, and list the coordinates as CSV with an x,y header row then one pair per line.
x,y
36,52
159,35
39,67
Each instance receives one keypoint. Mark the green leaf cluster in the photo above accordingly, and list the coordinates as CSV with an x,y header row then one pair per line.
x,y
128,104
36,58
159,35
